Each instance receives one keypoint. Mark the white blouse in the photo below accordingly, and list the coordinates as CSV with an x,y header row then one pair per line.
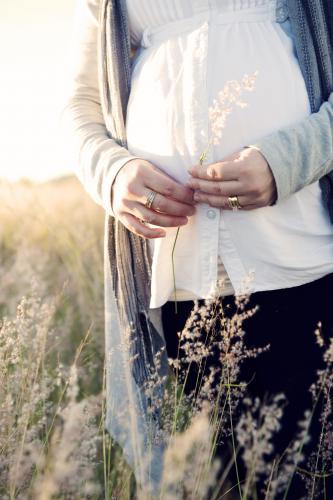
x,y
189,50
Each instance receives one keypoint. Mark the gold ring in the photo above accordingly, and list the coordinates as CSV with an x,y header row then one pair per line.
x,y
234,202
150,198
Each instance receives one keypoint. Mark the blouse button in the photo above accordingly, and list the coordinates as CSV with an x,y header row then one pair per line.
x,y
281,12
211,214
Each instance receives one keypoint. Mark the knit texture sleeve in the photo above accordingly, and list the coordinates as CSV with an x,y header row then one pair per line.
x,y
93,155
301,154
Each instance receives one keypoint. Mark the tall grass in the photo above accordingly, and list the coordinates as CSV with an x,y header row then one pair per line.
x,y
53,443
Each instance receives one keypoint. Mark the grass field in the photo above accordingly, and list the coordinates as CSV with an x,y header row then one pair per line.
x,y
52,440
51,343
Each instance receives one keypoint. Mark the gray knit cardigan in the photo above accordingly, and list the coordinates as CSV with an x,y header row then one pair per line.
x,y
297,155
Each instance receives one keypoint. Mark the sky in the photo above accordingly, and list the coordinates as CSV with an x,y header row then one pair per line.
x,y
34,40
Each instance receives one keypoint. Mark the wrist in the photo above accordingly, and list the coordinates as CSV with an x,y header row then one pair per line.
x,y
275,193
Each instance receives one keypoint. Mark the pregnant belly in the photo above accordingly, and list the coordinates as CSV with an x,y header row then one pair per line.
x,y
175,81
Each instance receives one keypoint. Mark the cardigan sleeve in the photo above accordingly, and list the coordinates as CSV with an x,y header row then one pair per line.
x,y
95,157
301,154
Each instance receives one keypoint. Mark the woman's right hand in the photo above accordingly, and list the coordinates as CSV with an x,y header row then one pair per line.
x,y
172,205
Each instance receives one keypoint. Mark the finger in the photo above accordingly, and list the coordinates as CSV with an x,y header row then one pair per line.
x,y
223,170
222,201
165,185
157,218
222,188
140,229
168,205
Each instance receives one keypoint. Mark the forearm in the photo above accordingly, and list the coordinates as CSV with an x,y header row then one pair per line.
x,y
95,157
301,154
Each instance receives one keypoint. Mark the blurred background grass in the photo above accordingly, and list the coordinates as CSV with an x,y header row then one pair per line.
x,y
51,293
52,232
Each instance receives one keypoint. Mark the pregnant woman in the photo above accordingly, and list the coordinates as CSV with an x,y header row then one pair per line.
x,y
256,216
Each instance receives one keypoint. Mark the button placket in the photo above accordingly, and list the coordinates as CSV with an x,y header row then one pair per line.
x,y
208,215
209,222
228,252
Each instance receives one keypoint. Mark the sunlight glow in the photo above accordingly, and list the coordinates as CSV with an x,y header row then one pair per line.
x,y
34,37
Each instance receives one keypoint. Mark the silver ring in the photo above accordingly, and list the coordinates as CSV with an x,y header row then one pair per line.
x,y
150,198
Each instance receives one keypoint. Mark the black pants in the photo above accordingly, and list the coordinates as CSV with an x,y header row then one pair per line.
x,y
286,319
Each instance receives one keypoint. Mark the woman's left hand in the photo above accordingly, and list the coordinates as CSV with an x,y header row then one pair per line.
x,y
245,174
